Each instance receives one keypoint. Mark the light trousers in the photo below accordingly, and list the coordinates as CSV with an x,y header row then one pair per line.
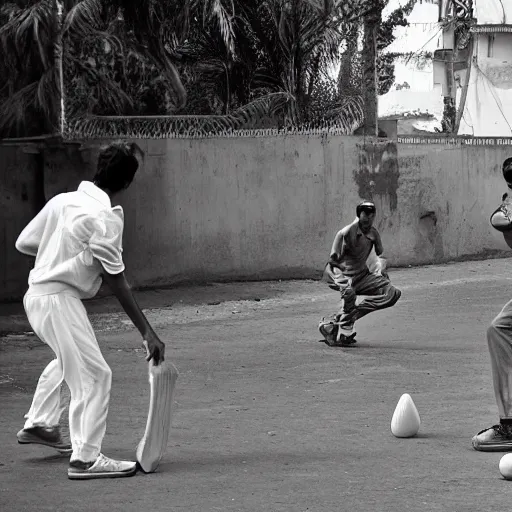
x,y
380,294
499,340
60,320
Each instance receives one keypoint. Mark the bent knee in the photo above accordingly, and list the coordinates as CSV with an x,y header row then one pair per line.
x,y
394,295
348,293
104,374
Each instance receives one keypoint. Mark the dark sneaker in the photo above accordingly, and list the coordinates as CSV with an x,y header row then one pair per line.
x,y
497,438
45,436
102,467
329,331
334,335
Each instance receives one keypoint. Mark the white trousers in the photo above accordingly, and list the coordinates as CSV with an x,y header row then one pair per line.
x,y
61,321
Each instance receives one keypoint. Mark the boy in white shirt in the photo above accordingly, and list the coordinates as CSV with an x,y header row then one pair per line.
x,y
76,240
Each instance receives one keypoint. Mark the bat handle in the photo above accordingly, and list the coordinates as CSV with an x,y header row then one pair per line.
x,y
145,343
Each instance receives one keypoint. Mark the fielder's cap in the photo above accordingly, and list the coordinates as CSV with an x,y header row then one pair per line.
x,y
365,206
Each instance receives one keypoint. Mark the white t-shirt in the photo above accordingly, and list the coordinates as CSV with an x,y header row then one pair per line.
x,y
72,238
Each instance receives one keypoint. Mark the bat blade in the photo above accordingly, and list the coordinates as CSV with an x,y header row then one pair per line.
x,y
153,445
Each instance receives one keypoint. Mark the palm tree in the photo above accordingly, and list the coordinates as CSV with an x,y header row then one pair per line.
x,y
36,35
249,57
28,84
285,46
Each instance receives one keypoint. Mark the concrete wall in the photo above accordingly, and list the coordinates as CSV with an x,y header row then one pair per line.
x,y
445,198
20,199
269,207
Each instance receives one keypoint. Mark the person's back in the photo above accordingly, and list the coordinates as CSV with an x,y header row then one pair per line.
x,y
77,231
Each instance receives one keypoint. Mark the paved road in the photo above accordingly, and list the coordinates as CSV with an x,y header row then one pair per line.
x,y
267,418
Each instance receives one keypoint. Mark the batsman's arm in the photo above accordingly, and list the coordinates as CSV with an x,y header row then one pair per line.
x,y
121,289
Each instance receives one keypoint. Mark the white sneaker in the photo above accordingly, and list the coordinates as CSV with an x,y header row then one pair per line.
x,y
345,335
103,467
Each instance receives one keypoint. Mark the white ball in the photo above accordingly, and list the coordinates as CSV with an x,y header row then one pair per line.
x,y
506,466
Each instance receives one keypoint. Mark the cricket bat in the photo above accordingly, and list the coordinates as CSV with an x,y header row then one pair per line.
x,y
152,447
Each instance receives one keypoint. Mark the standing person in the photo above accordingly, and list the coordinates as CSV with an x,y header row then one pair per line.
x,y
347,271
76,239
499,340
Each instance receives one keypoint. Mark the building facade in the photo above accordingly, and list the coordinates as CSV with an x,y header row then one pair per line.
x,y
414,101
474,67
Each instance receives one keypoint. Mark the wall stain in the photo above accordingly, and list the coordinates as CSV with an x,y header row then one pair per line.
x,y
378,172
430,240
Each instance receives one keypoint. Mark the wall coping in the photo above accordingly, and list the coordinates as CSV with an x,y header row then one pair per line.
x,y
446,139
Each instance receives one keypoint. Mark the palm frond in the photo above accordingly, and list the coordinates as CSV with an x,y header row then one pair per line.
x,y
263,107
262,79
348,115
325,5
215,9
102,90
85,18
37,26
47,94
145,20
13,112
108,42
8,11
112,98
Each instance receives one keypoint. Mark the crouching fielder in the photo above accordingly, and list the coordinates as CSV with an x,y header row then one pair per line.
x,y
347,271
77,238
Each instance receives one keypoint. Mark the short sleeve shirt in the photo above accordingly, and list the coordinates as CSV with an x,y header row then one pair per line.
x,y
352,248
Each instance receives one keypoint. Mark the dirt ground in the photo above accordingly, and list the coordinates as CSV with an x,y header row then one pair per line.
x,y
269,419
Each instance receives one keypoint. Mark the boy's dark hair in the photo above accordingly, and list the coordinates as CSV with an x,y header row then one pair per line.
x,y
507,170
365,206
117,165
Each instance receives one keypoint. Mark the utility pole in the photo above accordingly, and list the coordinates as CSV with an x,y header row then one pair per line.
x,y
60,115
455,14
371,23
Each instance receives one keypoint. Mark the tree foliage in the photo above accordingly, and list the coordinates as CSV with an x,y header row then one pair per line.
x,y
351,75
269,59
